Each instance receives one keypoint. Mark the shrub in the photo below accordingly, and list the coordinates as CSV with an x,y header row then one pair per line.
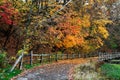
x,y
3,58
87,71
111,71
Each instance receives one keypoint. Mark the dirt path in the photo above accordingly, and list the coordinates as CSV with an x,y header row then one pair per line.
x,y
55,71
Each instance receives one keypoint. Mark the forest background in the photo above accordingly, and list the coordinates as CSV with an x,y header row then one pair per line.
x,y
50,26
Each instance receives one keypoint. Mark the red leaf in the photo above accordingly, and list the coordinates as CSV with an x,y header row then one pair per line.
x,y
6,14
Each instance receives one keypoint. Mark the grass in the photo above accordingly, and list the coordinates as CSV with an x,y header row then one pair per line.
x,y
5,73
111,70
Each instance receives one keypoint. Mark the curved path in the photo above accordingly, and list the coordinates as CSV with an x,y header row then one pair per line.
x,y
55,71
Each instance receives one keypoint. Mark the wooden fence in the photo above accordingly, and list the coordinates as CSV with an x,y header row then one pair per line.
x,y
32,58
55,57
108,56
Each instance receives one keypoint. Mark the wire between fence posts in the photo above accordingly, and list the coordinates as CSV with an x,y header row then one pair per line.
x,y
17,61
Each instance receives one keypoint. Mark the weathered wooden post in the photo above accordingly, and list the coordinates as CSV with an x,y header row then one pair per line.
x,y
41,58
73,56
31,57
17,61
56,57
62,56
49,57
21,64
67,56
79,55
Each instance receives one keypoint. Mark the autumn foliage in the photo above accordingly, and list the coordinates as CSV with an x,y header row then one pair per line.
x,y
80,29
77,26
8,14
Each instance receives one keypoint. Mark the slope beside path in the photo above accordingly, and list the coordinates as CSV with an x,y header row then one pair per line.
x,y
55,71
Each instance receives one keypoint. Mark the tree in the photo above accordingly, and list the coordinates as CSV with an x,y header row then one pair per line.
x,y
8,14
112,43
8,21
80,27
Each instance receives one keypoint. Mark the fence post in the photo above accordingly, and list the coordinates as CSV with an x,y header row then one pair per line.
x,y
17,61
78,55
56,57
21,63
82,55
31,57
72,56
62,56
100,56
49,57
89,54
40,58
67,56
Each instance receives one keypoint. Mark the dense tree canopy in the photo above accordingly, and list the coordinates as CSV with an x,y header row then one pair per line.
x,y
74,25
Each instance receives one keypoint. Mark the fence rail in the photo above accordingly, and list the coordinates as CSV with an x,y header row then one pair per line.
x,y
32,58
108,56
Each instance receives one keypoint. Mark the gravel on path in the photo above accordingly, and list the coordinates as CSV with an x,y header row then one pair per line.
x,y
55,71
